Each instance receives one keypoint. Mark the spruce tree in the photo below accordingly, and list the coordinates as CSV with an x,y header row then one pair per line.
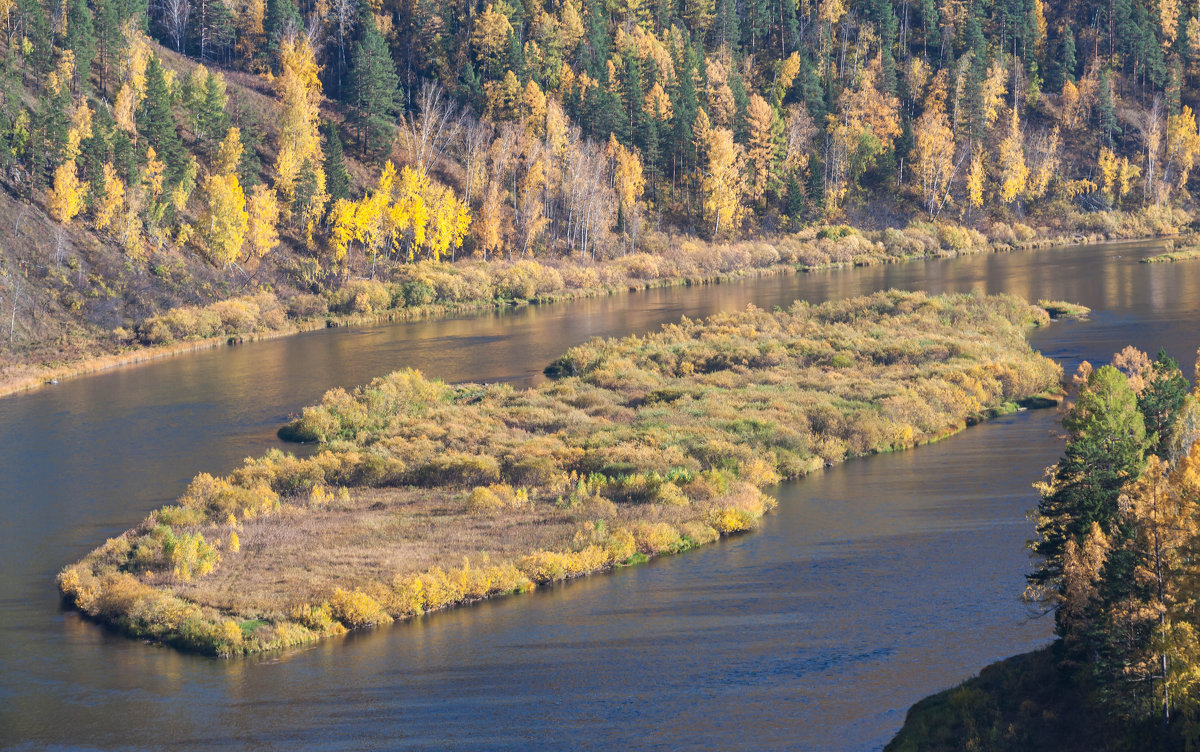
x,y
1105,449
337,178
375,88
156,122
81,40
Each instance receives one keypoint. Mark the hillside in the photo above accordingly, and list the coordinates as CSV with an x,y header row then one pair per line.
x,y
279,154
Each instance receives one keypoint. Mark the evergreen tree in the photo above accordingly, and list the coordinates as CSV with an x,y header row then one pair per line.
x,y
375,88
337,179
1105,449
282,18
1160,404
81,40
1106,111
156,122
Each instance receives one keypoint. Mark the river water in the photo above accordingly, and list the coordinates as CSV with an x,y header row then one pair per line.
x,y
873,585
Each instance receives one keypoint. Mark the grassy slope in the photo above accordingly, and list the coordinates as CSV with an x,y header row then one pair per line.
x,y
640,447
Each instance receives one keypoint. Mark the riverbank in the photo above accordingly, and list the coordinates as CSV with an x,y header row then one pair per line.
x,y
425,495
426,290
1023,704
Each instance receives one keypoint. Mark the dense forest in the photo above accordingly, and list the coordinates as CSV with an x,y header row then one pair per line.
x,y
189,150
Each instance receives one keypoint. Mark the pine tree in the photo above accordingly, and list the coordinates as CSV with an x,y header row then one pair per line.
x,y
337,178
1105,450
156,122
375,87
81,40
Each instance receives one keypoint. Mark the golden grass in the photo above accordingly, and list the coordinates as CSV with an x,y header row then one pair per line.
x,y
426,495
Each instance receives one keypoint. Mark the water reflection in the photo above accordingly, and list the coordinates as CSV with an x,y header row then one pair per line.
x,y
875,583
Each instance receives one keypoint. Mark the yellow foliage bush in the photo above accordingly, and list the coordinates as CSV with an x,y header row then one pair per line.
x,y
654,538
356,609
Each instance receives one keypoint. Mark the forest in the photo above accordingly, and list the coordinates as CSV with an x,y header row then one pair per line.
x,y
186,152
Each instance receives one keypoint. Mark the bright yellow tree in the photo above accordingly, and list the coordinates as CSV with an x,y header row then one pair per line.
x,y
65,199
722,188
225,219
262,213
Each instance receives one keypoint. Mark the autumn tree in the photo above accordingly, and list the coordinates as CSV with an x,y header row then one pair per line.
x,y
225,221
762,151
629,186
723,187
66,196
933,158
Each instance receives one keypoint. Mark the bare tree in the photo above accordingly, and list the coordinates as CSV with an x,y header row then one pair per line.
x,y
344,14
476,135
175,17
427,133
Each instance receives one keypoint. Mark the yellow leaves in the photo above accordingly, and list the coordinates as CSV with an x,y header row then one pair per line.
x,y
628,178
63,72
831,11
299,90
721,105
995,86
1014,174
81,128
235,543
1116,173
1109,167
658,104
722,187
405,210
155,169
933,157
1168,14
975,178
761,147
1081,571
1038,16
112,200
449,220
491,33
1183,142
131,67
503,97
65,199
226,221
533,107
570,26
342,231
229,153
124,107
789,68
262,210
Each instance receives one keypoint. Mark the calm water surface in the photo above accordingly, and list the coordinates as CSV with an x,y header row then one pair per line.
x,y
875,583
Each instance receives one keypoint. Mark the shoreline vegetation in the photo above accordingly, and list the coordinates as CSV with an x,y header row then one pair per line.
x,y
435,289
423,495
1115,561
1061,309
1183,254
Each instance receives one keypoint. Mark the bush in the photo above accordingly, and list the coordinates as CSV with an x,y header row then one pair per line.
x,y
357,609
305,306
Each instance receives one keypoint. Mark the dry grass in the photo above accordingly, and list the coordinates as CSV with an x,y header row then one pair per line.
x,y
425,495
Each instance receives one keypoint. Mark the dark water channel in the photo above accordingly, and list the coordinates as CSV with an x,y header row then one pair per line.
x,y
875,583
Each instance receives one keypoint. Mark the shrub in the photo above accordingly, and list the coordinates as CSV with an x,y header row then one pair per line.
x,y
357,609
304,306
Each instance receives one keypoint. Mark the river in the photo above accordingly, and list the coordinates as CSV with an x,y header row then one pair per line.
x,y
874,584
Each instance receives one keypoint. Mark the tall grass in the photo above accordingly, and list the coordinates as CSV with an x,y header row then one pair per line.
x,y
424,494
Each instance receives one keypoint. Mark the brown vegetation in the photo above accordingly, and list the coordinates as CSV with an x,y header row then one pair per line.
x,y
424,495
